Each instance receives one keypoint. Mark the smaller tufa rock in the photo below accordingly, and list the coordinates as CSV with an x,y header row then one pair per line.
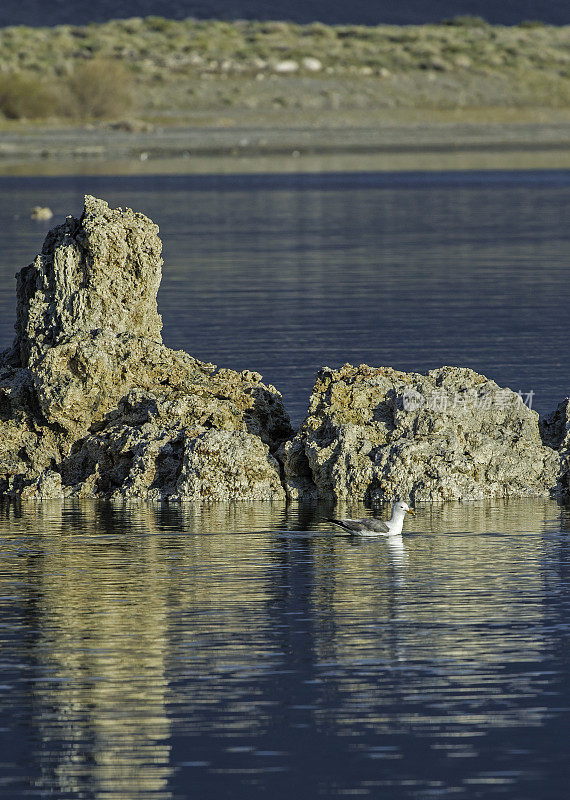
x,y
379,435
41,213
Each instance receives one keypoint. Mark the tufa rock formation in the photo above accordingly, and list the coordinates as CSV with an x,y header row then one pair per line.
x,y
378,435
92,404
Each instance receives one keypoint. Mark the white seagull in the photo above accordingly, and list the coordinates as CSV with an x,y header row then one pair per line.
x,y
369,526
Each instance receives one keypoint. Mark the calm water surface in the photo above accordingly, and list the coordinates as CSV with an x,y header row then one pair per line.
x,y
286,273
247,651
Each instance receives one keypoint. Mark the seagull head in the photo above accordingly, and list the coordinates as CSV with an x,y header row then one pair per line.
x,y
401,506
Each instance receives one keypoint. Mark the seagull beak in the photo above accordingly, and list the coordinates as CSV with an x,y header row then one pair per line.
x,y
411,511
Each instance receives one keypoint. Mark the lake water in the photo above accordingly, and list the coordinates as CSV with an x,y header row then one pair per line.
x,y
244,651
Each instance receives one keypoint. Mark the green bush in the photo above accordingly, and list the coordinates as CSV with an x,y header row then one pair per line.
x,y
25,97
100,89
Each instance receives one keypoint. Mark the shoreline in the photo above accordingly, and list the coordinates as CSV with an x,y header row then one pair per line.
x,y
235,148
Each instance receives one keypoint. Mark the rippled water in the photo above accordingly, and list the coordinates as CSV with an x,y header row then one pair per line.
x,y
247,651
286,273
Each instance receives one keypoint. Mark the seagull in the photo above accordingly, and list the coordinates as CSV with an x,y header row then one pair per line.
x,y
369,526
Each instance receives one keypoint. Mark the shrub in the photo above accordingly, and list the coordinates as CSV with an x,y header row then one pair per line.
x,y
466,21
22,96
532,23
159,24
100,89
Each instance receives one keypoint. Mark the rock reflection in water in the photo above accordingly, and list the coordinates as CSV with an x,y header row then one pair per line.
x,y
157,650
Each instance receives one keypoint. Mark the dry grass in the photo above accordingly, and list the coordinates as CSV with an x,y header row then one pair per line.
x,y
22,97
99,89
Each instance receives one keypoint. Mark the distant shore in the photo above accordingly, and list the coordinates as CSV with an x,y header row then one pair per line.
x,y
160,96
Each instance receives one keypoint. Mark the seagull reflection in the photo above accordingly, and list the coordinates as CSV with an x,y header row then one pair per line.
x,y
399,558
396,551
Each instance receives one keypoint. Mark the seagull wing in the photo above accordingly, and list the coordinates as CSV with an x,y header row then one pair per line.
x,y
350,525
366,525
374,525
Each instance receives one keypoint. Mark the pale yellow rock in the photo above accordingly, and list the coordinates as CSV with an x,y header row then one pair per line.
x,y
376,434
92,404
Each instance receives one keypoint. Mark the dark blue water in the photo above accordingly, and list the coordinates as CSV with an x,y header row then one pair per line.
x,y
245,652
286,273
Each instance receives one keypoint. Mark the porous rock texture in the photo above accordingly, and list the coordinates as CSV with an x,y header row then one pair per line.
x,y
92,404
555,430
376,434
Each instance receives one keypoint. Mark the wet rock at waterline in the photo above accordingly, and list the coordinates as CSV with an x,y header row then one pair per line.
x,y
92,404
379,434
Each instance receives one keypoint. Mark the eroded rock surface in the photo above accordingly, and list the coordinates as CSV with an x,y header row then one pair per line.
x,y
92,403
380,434
99,272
